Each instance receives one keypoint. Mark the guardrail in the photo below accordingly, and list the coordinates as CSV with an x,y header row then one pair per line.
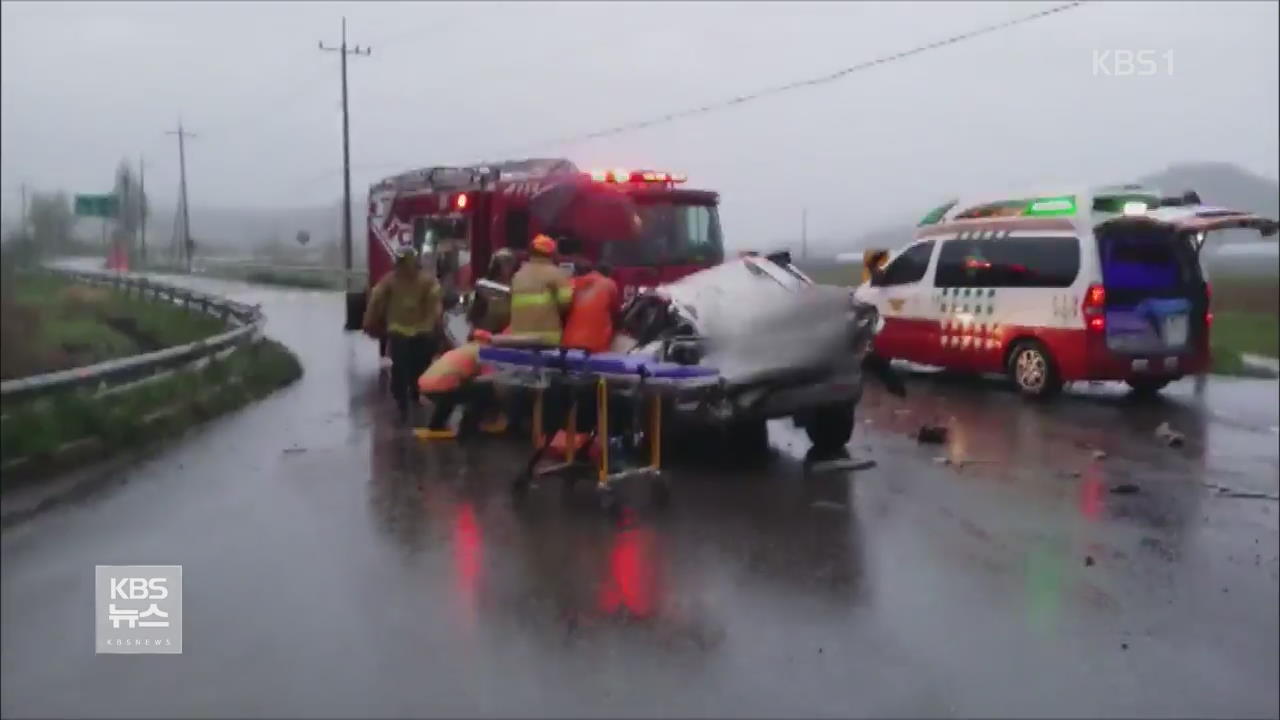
x,y
246,319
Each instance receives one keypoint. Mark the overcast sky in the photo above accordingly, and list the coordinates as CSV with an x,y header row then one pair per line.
x,y
85,84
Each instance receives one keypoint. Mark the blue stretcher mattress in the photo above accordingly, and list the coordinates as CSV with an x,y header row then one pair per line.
x,y
601,363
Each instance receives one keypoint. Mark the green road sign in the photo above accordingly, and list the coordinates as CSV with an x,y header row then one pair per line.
x,y
103,206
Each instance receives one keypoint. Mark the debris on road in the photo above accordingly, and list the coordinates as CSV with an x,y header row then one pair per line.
x,y
827,505
1169,436
932,434
1099,454
1126,489
942,460
1240,494
294,449
1088,561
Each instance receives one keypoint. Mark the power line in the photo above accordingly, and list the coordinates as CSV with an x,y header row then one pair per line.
x,y
796,85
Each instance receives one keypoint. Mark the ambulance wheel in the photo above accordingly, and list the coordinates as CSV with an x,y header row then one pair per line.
x,y
831,427
1033,371
1147,387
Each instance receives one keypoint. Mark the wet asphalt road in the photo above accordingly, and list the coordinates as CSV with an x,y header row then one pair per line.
x,y
334,567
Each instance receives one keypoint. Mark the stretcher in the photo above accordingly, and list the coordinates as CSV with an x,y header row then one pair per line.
x,y
569,373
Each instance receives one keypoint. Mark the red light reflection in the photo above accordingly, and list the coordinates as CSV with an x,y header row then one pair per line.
x,y
468,549
632,577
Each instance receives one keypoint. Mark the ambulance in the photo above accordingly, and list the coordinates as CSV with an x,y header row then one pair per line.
x,y
1076,284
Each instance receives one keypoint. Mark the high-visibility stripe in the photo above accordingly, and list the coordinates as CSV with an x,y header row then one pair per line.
x,y
564,295
409,330
530,299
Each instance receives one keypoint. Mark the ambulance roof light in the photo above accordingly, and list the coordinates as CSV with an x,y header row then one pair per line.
x,y
1065,205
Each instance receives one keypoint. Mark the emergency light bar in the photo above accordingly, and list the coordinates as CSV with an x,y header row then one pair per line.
x,y
636,176
1052,206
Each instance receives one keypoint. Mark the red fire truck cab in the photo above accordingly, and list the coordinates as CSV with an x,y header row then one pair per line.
x,y
643,223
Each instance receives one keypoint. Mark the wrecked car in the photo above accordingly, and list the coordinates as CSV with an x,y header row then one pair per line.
x,y
784,346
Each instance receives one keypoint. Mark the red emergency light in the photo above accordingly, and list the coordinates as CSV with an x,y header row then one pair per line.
x,y
461,202
636,176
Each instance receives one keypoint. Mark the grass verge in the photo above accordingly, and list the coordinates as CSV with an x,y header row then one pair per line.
x,y
53,323
35,435
1238,332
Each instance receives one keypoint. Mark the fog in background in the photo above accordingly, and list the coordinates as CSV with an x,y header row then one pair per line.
x,y
87,84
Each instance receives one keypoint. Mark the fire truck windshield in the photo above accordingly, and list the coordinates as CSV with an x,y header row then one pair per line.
x,y
669,233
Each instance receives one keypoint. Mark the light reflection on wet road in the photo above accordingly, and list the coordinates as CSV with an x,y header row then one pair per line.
x,y
370,575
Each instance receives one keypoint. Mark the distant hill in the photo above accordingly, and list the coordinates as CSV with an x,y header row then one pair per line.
x,y
1220,184
1217,183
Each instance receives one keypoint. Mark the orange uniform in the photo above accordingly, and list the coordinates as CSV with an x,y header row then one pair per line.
x,y
590,323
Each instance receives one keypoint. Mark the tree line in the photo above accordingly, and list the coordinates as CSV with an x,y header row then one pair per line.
x,y
48,223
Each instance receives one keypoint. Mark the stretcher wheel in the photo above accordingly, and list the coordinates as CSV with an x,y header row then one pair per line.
x,y
610,502
660,491
520,486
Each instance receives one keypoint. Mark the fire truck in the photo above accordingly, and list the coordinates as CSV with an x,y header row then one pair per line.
x,y
644,223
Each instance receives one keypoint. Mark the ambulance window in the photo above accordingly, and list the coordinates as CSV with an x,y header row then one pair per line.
x,y
1009,262
908,267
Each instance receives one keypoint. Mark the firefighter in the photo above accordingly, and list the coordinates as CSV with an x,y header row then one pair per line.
x,y
407,302
540,294
596,301
449,382
491,311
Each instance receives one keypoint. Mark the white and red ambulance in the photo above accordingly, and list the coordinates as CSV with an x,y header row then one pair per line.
x,y
1101,284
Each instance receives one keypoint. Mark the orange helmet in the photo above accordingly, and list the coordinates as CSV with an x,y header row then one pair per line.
x,y
543,245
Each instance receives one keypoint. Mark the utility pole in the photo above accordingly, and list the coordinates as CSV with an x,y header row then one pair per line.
x,y
24,209
142,212
186,248
804,233
343,51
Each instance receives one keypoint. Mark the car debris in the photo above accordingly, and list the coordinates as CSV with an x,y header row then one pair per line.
x,y
1099,454
1169,436
1126,489
932,434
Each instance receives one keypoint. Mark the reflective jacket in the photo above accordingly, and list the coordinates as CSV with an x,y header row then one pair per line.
x,y
451,369
407,306
540,291
590,323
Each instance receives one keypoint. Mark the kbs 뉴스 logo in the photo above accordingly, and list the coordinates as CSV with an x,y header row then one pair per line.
x,y
138,608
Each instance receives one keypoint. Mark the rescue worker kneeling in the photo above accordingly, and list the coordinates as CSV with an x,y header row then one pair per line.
x,y
453,380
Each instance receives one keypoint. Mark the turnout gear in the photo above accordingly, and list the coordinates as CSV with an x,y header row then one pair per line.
x,y
405,308
540,293
589,325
